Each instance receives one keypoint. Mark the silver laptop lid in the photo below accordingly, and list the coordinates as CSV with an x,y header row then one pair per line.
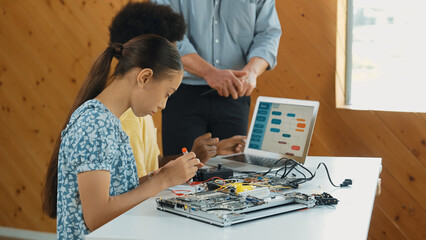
x,y
282,127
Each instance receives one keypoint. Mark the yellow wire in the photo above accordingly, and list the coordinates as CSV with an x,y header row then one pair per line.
x,y
261,184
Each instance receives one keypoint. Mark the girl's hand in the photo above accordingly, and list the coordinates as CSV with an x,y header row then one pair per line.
x,y
180,170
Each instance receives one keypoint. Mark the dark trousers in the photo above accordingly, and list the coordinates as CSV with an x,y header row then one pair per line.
x,y
189,114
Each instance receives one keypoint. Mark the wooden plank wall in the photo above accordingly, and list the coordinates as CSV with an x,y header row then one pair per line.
x,y
48,46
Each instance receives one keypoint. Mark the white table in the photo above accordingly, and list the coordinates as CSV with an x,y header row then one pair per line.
x,y
350,219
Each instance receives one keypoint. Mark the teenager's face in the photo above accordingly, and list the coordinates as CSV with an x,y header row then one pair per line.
x,y
150,95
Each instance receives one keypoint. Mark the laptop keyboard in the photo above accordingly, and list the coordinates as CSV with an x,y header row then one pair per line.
x,y
256,160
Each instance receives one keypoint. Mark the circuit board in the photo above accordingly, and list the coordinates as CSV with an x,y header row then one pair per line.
x,y
225,208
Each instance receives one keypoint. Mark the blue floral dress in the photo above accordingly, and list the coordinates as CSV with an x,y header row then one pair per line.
x,y
92,140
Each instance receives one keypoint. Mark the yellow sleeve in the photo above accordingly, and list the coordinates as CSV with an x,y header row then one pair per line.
x,y
151,146
132,126
143,140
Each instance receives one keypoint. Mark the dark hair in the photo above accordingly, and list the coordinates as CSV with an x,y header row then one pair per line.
x,y
146,51
137,18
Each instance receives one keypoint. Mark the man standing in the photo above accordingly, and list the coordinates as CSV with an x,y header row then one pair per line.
x,y
134,19
227,45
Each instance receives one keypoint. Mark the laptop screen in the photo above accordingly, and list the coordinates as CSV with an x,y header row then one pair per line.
x,y
281,128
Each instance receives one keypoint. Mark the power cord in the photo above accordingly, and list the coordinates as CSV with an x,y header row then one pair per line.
x,y
345,183
291,164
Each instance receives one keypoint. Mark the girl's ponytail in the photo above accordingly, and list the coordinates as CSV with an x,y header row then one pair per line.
x,y
96,81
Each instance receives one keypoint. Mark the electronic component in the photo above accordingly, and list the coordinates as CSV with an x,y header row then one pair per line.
x,y
224,201
213,186
224,209
325,199
200,187
346,183
270,181
259,192
204,174
240,187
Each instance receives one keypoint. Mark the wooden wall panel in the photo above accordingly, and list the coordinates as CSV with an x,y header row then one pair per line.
x,y
48,46
413,137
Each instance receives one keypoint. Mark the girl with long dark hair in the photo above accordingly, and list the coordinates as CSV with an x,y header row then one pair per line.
x,y
92,175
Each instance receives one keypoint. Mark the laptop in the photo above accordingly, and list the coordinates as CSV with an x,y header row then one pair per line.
x,y
280,127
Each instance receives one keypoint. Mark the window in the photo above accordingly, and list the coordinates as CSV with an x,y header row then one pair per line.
x,y
385,55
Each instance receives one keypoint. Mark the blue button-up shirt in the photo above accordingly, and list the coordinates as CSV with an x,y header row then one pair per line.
x,y
228,33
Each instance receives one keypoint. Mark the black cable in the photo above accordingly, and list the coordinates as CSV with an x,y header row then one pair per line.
x,y
305,179
328,174
286,173
292,164
285,169
300,172
270,169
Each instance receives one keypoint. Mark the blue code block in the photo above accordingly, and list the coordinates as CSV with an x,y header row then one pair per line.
x,y
256,136
264,105
257,130
275,130
276,121
255,146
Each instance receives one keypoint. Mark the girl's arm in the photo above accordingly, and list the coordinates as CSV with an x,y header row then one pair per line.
x,y
99,207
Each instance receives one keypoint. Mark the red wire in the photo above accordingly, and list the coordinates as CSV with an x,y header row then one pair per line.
x,y
196,183
180,194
